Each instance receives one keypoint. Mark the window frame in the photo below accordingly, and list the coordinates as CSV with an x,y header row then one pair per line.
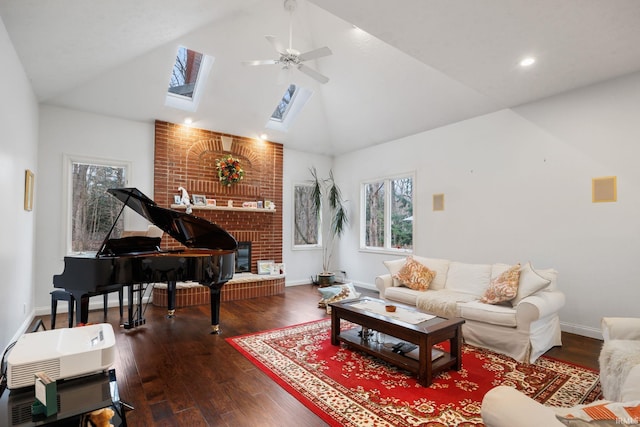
x,y
298,101
69,160
186,103
306,247
387,214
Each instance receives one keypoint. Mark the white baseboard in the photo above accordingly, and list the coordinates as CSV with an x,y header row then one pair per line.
x,y
585,331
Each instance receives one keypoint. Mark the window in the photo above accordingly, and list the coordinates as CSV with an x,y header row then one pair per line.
x,y
288,108
283,106
91,210
387,210
306,224
185,72
188,75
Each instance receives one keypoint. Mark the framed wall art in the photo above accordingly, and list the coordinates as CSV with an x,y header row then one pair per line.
x,y
29,179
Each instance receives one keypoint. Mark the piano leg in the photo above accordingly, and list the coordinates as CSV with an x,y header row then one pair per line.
x,y
171,299
214,292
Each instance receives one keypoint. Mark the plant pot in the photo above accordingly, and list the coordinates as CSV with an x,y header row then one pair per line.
x,y
326,279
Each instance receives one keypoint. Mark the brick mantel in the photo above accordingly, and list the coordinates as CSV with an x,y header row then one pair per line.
x,y
185,157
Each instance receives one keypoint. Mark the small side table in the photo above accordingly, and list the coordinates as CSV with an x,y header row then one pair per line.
x,y
75,398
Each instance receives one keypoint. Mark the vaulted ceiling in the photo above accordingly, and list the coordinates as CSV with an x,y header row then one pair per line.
x,y
409,66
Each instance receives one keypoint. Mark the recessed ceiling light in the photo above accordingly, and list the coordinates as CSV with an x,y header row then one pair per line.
x,y
188,121
528,61
264,136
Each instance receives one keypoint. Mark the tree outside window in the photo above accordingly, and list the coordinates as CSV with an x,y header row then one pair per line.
x,y
388,214
93,211
306,223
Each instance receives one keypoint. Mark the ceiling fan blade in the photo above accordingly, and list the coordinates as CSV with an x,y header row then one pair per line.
x,y
316,53
276,44
313,73
260,62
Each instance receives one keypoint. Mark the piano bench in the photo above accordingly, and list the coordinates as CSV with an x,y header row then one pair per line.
x,y
62,295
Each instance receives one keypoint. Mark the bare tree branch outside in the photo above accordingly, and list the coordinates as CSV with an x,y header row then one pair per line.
x,y
93,209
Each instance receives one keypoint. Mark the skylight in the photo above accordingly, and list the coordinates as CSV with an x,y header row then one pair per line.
x,y
294,98
188,75
283,106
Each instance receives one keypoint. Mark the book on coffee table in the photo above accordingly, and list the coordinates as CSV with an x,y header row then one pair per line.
x,y
415,354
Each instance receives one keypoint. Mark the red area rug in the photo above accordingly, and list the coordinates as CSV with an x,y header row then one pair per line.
x,y
349,388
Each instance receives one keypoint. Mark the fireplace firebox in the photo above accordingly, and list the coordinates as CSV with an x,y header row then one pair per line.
x,y
243,257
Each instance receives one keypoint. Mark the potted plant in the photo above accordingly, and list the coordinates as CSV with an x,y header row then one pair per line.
x,y
327,189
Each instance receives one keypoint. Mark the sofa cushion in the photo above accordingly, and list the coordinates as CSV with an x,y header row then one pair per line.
x,y
443,303
394,266
530,283
504,287
601,413
496,314
551,275
468,278
415,275
439,266
403,295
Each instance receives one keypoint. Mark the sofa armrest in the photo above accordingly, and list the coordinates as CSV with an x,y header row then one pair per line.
x,y
620,328
541,304
505,406
383,282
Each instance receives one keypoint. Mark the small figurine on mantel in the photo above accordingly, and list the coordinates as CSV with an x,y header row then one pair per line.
x,y
184,199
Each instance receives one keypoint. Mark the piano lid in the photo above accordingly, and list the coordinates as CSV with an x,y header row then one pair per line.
x,y
190,230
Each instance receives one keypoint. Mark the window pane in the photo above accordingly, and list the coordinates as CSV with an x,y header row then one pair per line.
x,y
284,104
305,221
93,210
374,214
185,72
402,213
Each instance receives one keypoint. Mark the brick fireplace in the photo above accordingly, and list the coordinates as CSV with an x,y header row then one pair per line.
x,y
186,156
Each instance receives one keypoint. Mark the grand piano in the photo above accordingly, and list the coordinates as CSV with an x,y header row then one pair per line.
x,y
135,261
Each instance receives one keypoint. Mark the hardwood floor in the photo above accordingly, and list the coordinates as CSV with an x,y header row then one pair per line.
x,y
175,373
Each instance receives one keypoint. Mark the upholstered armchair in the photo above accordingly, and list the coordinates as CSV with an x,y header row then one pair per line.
x,y
620,359
619,376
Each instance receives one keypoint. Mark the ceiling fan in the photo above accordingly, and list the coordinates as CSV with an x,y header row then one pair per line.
x,y
291,58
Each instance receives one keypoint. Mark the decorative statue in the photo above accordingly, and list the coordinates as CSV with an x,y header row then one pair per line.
x,y
184,199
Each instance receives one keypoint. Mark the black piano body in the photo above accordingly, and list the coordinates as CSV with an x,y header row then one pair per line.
x,y
209,258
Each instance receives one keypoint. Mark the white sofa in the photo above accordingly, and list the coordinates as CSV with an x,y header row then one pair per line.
x,y
504,406
523,328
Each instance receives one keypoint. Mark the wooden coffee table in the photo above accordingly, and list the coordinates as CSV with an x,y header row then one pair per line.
x,y
425,335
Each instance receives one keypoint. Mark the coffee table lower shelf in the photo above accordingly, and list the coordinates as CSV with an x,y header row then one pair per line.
x,y
352,339
425,335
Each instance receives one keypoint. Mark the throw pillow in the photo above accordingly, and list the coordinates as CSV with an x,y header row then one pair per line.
x,y
603,414
394,266
504,287
530,283
336,293
439,266
415,275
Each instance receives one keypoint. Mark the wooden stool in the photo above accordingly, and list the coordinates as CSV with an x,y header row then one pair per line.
x,y
62,295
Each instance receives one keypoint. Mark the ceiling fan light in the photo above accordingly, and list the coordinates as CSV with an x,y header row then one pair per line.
x,y
528,61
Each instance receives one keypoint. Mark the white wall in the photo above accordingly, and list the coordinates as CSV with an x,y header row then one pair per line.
x,y
18,152
301,264
517,187
74,133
